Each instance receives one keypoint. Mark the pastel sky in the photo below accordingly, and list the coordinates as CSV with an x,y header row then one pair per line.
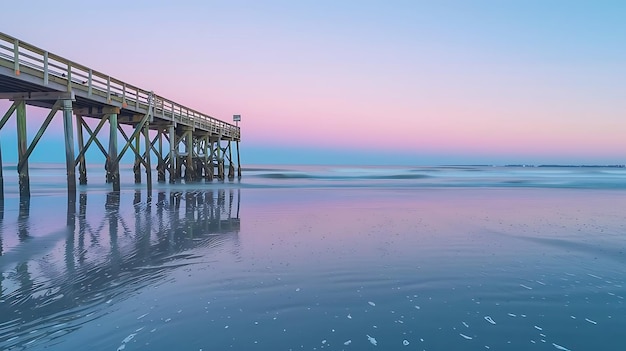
x,y
369,82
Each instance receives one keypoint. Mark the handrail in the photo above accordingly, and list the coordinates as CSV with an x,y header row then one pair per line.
x,y
94,83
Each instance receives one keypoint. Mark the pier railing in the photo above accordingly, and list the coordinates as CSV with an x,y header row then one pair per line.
x,y
48,67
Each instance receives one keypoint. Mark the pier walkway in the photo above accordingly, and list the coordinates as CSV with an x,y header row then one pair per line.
x,y
186,143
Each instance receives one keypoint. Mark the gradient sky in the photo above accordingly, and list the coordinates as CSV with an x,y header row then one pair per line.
x,y
369,82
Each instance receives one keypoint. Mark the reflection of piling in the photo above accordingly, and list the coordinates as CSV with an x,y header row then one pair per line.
x,y
112,209
70,239
23,231
82,226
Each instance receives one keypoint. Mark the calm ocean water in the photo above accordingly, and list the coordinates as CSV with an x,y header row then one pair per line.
x,y
318,258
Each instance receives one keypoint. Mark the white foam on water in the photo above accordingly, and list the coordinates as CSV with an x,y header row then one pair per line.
x,y
590,321
465,324
347,342
125,341
372,340
490,320
349,316
538,328
417,307
526,286
143,315
512,314
559,347
371,303
540,282
594,276
297,289
465,336
405,342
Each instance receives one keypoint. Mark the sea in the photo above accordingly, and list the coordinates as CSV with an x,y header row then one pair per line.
x,y
318,258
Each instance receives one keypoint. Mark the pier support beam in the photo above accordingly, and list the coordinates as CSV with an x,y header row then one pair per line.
x,y
82,167
146,133
210,164
231,165
137,164
3,121
161,161
220,159
24,180
1,186
113,166
173,154
238,162
189,166
69,146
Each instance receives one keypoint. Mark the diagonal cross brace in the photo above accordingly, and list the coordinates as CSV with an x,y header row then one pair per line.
x,y
39,134
132,147
7,115
137,130
92,137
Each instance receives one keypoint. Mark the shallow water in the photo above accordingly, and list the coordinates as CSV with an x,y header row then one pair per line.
x,y
333,258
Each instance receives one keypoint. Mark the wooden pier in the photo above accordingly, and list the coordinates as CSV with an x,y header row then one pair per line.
x,y
186,144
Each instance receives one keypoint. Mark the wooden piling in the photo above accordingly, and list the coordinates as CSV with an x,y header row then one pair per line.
x,y
1,181
113,167
24,180
238,161
189,167
69,146
211,167
231,165
173,156
220,159
3,121
146,133
82,167
160,161
137,164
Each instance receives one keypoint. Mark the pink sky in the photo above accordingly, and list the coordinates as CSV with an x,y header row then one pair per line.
x,y
488,82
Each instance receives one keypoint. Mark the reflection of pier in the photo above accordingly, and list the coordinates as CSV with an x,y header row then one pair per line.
x,y
105,254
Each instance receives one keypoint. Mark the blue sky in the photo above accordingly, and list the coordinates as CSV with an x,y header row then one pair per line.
x,y
394,82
